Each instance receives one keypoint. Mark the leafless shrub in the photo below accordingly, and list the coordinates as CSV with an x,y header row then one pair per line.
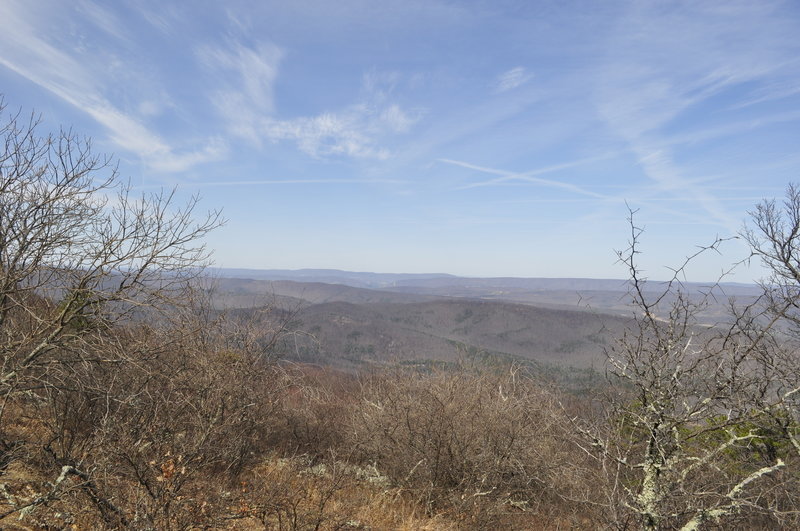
x,y
487,447
315,419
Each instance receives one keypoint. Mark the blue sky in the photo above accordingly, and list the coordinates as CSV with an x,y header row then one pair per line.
x,y
475,138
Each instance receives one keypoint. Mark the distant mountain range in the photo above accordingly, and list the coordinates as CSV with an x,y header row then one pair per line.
x,y
354,320
330,276
450,285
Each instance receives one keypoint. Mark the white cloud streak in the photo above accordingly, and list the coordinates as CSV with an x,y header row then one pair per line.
x,y
247,76
530,176
279,182
512,79
665,60
27,52
270,182
351,132
771,92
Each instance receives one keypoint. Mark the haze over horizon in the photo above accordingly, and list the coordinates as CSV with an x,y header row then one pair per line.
x,y
470,138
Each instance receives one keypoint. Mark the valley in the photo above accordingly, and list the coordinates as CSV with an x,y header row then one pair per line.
x,y
357,321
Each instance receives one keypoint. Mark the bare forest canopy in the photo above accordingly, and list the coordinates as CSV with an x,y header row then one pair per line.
x,y
560,326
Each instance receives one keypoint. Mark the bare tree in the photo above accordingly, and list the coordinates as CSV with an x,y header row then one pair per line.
x,y
698,431
78,250
79,253
774,238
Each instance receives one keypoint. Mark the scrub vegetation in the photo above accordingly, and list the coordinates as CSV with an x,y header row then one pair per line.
x,y
128,401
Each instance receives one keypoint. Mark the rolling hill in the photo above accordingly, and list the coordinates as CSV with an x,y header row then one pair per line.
x,y
560,324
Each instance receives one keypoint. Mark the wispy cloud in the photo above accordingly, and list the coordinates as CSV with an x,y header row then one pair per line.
x,y
252,71
661,199
730,128
160,15
102,18
245,77
676,61
771,92
213,150
271,182
530,176
343,133
28,53
352,132
657,163
397,120
512,79
247,104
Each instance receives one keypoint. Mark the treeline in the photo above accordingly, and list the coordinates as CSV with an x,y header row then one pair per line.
x,y
127,402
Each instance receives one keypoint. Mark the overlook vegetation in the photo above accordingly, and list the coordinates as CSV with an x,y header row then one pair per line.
x,y
130,399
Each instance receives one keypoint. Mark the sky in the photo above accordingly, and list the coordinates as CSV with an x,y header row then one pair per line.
x,y
494,138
